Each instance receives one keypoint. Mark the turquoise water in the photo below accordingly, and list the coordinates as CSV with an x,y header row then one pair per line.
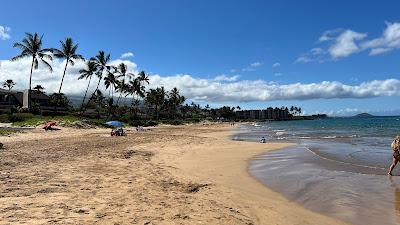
x,y
363,141
338,167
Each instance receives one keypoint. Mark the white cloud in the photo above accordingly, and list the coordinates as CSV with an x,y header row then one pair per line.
x,y
256,64
127,55
226,78
329,35
389,40
259,90
219,89
275,65
339,43
316,51
19,72
277,74
303,59
314,55
345,44
252,67
379,51
4,33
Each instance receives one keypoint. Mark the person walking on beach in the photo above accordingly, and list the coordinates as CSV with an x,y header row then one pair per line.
x,y
396,154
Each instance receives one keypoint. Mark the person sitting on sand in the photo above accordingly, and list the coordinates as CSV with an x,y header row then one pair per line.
x,y
396,154
262,140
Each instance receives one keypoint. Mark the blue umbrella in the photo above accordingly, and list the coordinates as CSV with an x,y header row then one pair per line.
x,y
115,124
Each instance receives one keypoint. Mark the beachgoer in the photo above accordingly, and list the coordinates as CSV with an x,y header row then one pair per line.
x,y
396,154
262,140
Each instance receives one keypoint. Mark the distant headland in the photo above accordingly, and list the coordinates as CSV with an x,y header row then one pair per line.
x,y
364,115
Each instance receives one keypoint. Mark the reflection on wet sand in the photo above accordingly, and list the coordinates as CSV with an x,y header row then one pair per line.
x,y
348,192
396,197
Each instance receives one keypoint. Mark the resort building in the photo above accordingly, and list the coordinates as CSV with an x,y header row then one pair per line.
x,y
264,114
20,99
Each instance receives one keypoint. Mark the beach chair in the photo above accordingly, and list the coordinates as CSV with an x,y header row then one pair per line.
x,y
48,125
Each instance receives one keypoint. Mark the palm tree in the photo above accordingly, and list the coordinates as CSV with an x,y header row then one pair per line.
x,y
101,61
143,77
87,73
9,84
156,97
39,88
31,46
67,52
134,88
110,81
122,72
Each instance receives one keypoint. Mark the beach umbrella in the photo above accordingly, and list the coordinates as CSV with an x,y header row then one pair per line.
x,y
115,124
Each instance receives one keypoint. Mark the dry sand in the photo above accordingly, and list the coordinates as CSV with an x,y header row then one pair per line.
x,y
169,175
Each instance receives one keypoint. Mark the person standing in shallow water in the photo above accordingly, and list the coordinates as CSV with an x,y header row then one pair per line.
x,y
396,154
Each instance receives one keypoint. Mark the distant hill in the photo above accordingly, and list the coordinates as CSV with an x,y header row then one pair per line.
x,y
363,115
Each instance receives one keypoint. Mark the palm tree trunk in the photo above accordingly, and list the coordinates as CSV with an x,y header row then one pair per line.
x,y
119,97
90,99
133,100
84,97
30,84
62,80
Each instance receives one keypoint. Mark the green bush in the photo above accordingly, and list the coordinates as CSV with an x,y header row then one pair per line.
x,y
15,118
4,118
24,115
151,123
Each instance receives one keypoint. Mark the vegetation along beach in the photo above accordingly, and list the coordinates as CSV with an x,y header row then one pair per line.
x,y
199,112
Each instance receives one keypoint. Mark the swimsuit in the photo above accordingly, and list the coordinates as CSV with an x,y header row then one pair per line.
x,y
396,154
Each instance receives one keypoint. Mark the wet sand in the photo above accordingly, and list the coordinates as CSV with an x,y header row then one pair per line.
x,y
353,193
169,175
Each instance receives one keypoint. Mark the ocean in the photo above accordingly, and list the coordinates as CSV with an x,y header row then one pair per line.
x,y
337,166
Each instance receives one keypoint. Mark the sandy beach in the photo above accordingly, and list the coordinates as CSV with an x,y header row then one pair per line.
x,y
169,175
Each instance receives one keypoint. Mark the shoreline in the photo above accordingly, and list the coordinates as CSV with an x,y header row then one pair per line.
x,y
263,204
168,175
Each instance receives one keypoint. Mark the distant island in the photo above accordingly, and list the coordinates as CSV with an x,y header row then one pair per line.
x,y
364,115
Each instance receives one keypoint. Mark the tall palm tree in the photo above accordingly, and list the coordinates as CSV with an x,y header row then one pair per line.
x,y
110,81
156,97
143,77
122,73
67,52
9,84
86,73
31,46
101,61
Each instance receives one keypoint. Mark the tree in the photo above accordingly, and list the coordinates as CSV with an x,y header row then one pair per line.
x,y
110,81
122,73
174,100
101,61
99,100
31,46
134,88
156,98
85,74
39,88
143,77
67,52
9,84
59,100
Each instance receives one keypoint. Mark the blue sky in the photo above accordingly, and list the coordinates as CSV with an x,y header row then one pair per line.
x,y
223,43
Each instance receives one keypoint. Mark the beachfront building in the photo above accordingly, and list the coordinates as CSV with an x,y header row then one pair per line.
x,y
264,114
20,99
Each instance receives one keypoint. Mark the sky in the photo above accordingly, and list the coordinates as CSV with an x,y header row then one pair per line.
x,y
338,57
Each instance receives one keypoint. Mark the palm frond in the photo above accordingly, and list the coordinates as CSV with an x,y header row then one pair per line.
x,y
47,64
